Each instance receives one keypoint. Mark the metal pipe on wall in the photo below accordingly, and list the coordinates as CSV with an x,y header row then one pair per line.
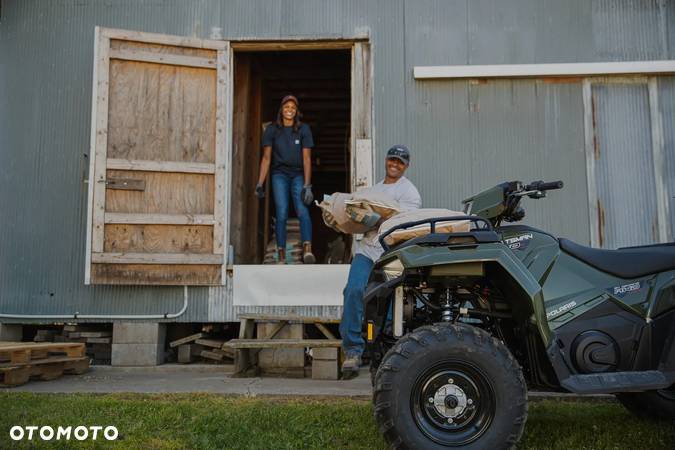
x,y
104,316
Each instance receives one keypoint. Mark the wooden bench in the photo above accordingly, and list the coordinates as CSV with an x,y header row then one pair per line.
x,y
247,346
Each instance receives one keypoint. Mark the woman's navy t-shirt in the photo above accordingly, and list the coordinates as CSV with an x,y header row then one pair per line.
x,y
287,147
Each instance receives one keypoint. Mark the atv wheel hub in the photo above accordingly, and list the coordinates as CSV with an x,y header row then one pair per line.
x,y
450,401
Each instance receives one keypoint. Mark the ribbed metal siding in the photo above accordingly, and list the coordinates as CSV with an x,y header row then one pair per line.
x,y
630,29
474,136
666,89
46,50
624,165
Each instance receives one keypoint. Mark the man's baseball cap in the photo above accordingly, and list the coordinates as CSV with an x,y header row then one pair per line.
x,y
290,98
400,152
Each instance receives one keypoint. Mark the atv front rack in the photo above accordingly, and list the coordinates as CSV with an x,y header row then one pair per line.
x,y
432,222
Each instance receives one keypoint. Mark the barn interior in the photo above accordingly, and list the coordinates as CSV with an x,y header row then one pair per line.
x,y
320,79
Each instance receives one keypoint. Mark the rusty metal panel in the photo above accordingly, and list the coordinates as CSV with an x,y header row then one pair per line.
x,y
624,167
666,92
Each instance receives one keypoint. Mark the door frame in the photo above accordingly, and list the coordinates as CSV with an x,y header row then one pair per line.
x,y
361,121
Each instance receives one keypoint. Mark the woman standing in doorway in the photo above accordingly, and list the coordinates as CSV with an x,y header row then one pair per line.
x,y
287,147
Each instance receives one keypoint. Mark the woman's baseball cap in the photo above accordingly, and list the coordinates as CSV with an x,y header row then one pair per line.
x,y
290,98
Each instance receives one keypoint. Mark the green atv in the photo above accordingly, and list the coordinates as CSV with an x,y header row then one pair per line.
x,y
459,325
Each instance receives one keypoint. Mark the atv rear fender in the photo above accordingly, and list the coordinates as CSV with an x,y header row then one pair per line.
x,y
501,267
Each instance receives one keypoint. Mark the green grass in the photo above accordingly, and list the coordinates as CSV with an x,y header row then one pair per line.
x,y
206,421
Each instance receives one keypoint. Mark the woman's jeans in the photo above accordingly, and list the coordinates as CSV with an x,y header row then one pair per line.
x,y
352,312
282,185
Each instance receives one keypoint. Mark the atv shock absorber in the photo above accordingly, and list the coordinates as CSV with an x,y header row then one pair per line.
x,y
446,307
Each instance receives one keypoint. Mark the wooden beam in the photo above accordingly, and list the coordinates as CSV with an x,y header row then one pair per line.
x,y
326,332
98,153
155,258
288,318
156,38
282,343
262,46
160,219
163,58
160,166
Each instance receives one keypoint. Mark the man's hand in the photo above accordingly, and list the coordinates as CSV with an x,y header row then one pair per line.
x,y
259,191
306,194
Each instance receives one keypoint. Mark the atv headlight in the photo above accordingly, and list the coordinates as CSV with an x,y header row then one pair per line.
x,y
393,269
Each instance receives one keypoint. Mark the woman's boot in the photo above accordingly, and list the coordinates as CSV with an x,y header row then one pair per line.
x,y
307,255
281,256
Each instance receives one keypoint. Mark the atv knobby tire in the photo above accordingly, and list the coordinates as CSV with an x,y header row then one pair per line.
x,y
450,385
659,405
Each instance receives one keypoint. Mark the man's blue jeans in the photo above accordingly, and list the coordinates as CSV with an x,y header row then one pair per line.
x,y
282,185
352,313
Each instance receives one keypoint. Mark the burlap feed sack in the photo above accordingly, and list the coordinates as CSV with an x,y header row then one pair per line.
x,y
402,235
347,213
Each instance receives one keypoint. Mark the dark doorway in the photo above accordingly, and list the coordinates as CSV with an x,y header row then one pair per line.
x,y
321,82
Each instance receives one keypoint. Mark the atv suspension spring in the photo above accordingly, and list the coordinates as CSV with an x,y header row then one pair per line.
x,y
446,308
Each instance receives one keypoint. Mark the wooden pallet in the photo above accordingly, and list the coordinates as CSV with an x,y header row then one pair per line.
x,y
15,374
23,352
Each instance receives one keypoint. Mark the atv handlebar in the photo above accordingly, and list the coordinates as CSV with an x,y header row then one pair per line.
x,y
544,186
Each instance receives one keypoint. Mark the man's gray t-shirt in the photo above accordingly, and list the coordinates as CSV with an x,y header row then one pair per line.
x,y
405,193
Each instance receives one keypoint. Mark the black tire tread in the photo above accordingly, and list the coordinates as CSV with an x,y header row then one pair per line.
x,y
648,405
451,334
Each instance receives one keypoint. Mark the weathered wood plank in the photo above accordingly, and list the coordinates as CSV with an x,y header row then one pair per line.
x,y
158,38
326,332
282,343
161,112
292,45
128,238
156,258
101,145
163,58
157,274
213,343
288,318
129,184
161,166
159,219
186,339
165,193
223,150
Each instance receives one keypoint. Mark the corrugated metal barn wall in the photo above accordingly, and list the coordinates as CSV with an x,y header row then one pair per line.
x,y
464,136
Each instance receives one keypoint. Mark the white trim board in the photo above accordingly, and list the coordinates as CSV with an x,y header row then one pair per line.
x,y
289,285
544,70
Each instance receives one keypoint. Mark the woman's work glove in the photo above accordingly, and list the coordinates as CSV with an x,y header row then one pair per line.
x,y
306,194
259,191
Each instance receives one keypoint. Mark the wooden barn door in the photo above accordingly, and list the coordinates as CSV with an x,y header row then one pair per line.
x,y
159,169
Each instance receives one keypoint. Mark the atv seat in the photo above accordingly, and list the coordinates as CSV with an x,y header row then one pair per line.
x,y
630,262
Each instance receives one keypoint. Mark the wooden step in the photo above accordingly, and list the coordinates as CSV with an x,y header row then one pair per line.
x,y
288,318
282,343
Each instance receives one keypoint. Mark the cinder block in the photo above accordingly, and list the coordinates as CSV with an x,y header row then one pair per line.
x,y
281,358
139,333
185,353
325,370
12,332
137,354
325,353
